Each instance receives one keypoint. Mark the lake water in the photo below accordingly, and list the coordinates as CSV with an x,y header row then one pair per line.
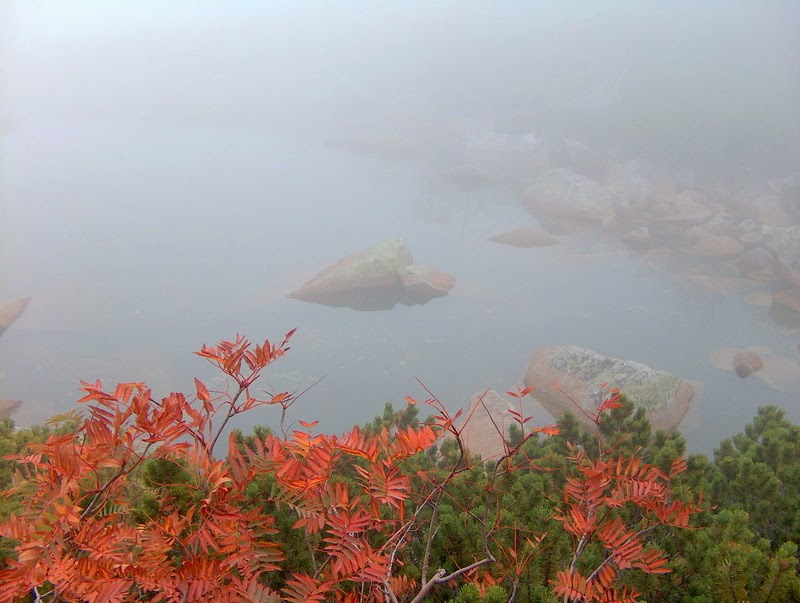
x,y
140,242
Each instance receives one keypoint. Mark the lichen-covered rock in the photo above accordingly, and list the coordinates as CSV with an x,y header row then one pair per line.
x,y
376,279
580,373
524,237
11,311
560,196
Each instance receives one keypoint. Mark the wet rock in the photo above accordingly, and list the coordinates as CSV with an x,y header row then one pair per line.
x,y
688,208
778,372
8,407
786,248
770,234
770,209
487,423
721,225
785,308
375,279
716,246
759,264
631,191
525,237
638,238
661,208
745,198
746,363
468,178
582,159
786,186
423,283
562,197
509,157
749,225
580,373
11,311
720,285
751,239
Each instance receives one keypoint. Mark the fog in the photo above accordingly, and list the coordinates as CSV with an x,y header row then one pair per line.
x,y
172,171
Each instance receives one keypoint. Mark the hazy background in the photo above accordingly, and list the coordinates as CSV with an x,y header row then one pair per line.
x,y
171,170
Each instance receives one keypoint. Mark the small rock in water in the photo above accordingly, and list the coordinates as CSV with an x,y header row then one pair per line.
x,y
746,363
524,237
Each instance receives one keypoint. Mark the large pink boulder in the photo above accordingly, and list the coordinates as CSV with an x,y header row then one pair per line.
x,y
580,373
485,425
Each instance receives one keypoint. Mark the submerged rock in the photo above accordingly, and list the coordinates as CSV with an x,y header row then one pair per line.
x,y
376,279
580,373
11,311
524,237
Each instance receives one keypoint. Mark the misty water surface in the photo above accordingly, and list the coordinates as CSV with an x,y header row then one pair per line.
x,y
169,175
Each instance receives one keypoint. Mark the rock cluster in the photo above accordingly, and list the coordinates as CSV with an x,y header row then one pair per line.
x,y
751,234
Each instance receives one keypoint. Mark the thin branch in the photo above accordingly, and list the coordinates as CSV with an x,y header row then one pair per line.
x,y
389,593
442,577
429,541
231,413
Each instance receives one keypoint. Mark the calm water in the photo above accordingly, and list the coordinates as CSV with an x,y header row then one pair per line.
x,y
138,243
